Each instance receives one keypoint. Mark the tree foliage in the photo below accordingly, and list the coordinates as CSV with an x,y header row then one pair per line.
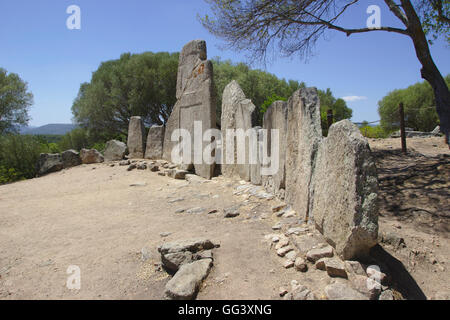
x,y
19,155
339,107
138,84
15,101
257,85
419,107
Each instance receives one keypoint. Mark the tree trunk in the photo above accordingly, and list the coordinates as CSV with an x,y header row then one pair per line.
x,y
429,70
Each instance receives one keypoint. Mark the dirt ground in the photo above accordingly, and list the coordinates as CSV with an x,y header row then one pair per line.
x,y
109,222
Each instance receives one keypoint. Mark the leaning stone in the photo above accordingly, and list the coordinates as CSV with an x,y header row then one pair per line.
x,y
173,261
186,282
155,140
115,150
142,166
345,186
304,134
237,116
132,167
196,103
316,254
340,291
136,140
153,168
49,163
70,158
177,174
89,156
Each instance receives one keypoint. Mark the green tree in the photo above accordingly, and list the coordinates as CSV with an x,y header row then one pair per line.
x,y
257,85
338,106
419,105
15,101
294,26
138,84
19,155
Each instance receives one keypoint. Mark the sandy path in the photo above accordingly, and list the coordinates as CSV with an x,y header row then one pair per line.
x,y
102,226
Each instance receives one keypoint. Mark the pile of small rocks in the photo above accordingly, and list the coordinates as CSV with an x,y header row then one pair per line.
x,y
190,261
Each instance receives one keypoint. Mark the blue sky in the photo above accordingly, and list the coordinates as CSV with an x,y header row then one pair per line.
x,y
36,44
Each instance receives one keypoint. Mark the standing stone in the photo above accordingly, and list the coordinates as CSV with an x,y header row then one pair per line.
x,y
275,118
236,115
136,142
115,150
196,102
49,163
345,186
89,156
155,140
304,133
70,158
255,169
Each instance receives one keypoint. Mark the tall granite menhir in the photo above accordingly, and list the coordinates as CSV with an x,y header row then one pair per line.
x,y
344,206
155,141
136,142
237,113
196,102
275,118
304,133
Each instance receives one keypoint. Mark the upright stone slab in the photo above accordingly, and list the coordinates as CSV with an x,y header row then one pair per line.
x,y
237,113
196,102
136,142
345,191
255,169
304,133
155,141
275,118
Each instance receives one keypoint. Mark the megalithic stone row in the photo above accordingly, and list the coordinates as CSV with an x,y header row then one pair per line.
x,y
275,118
155,142
237,113
136,138
345,184
304,134
196,103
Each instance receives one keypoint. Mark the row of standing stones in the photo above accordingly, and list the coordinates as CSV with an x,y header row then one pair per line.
x,y
329,182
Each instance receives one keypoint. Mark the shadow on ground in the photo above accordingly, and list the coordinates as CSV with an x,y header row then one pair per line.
x,y
415,188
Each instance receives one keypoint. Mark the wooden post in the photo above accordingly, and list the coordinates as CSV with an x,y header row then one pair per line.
x,y
402,127
329,118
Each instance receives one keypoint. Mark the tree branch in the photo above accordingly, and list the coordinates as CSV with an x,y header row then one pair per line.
x,y
395,9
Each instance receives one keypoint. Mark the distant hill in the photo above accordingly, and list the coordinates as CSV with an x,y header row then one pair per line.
x,y
57,129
